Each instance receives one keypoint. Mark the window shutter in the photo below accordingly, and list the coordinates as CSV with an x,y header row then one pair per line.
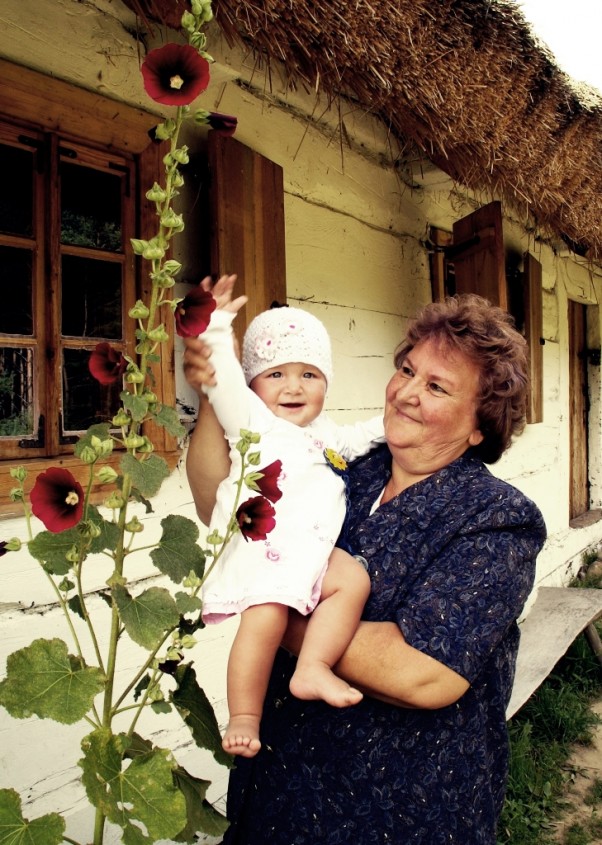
x,y
247,219
478,254
532,300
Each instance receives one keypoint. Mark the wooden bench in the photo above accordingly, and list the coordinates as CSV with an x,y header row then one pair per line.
x,y
555,620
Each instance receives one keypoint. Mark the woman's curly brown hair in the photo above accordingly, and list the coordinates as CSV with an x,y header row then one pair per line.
x,y
486,335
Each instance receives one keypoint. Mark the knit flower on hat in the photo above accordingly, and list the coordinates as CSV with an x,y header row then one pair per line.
x,y
265,347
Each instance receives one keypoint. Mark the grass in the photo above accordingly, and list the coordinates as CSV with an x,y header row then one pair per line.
x,y
556,717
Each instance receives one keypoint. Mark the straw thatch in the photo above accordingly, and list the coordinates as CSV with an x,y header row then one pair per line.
x,y
465,80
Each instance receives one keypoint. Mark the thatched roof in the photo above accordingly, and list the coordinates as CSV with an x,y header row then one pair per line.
x,y
465,80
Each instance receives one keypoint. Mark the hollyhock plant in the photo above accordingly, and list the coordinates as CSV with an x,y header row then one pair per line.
x,y
255,518
175,74
126,778
266,481
57,499
193,313
106,364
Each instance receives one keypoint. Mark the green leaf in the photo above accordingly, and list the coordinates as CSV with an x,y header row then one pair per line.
x,y
187,604
168,418
75,606
148,616
15,830
101,430
201,815
141,798
50,549
194,708
43,679
137,407
178,552
147,475
109,532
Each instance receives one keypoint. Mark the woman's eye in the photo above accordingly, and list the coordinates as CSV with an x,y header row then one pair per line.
x,y
436,388
406,371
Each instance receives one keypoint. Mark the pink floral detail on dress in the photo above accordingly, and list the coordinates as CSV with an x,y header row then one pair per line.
x,y
272,554
319,444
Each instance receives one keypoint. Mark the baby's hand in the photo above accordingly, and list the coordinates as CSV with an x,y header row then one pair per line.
x,y
222,293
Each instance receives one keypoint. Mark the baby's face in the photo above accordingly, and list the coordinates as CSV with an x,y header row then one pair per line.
x,y
294,392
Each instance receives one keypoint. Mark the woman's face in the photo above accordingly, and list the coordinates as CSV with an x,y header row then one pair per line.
x,y
430,409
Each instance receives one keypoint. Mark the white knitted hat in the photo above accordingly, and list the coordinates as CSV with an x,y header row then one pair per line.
x,y
285,336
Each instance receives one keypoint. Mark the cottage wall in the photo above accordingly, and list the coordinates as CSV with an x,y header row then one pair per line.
x,y
357,212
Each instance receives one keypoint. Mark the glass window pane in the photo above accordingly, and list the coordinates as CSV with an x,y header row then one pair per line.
x,y
85,401
90,207
91,298
16,392
16,196
16,312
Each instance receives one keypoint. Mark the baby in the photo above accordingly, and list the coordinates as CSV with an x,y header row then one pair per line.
x,y
279,393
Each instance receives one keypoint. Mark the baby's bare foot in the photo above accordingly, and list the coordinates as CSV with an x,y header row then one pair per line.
x,y
315,681
242,736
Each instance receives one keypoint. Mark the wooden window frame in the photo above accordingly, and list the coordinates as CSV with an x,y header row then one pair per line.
x,y
473,256
39,103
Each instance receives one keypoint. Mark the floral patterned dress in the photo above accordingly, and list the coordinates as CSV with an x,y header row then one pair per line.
x,y
288,566
452,561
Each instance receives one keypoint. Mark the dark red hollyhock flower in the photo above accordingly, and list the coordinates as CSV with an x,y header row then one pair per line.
x,y
57,499
3,549
175,74
268,484
106,364
255,518
225,124
194,312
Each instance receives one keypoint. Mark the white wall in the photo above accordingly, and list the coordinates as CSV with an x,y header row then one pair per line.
x,y
355,232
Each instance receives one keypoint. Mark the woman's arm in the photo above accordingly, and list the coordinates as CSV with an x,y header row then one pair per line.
x,y
207,462
381,663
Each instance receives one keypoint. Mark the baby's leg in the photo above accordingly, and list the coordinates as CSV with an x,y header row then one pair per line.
x,y
331,626
249,666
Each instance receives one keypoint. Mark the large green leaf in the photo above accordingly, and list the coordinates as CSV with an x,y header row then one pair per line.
x,y
109,532
148,616
100,430
15,830
169,419
142,798
147,475
201,815
178,551
43,679
195,709
137,406
51,549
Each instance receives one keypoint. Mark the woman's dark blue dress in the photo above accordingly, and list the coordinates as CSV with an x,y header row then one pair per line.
x,y
452,561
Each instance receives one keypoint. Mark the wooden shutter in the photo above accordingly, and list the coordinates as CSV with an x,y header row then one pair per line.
x,y
578,410
478,254
532,301
247,223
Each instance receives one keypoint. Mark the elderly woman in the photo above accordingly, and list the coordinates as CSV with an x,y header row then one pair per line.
x,y
451,554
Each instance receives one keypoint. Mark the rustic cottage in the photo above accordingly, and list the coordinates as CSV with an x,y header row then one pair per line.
x,y
386,154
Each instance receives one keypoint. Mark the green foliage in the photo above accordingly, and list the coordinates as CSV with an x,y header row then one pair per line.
x,y
177,553
194,707
147,617
42,679
15,830
140,796
557,716
147,476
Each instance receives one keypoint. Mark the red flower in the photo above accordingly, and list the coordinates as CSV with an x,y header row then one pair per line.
x,y
194,312
225,124
268,483
106,364
57,499
255,518
3,549
175,74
